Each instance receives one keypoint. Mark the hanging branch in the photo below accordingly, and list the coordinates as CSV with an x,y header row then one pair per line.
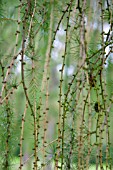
x,y
61,80
6,162
60,130
45,81
24,40
22,137
15,55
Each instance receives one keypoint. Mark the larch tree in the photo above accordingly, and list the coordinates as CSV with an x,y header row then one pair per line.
x,y
56,67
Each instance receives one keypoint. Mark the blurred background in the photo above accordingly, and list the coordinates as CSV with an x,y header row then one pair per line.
x,y
55,48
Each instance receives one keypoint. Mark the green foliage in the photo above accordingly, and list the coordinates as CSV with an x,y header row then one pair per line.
x,y
56,84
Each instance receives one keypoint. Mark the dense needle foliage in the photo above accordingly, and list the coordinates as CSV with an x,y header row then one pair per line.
x,y
56,67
